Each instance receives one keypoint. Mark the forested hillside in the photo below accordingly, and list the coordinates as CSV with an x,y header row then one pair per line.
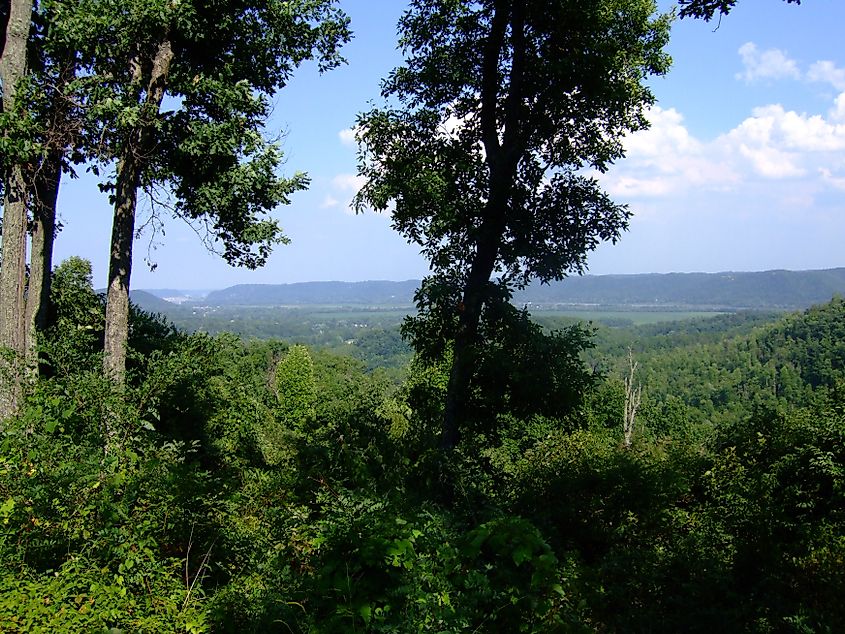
x,y
462,464
737,290
723,368
260,483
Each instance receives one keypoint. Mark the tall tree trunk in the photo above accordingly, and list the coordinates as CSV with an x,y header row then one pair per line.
x,y
12,281
41,263
633,398
61,134
131,165
502,159
13,266
120,264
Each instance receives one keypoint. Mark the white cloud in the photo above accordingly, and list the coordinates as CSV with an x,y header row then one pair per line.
x,y
632,187
343,190
809,133
665,160
769,64
772,126
329,201
827,72
667,134
770,146
453,125
347,136
770,162
837,182
837,113
783,144
348,182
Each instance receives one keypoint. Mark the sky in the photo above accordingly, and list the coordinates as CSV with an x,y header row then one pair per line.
x,y
743,168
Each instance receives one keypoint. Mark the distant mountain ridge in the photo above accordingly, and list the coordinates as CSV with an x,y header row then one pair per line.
x,y
764,289
727,290
375,293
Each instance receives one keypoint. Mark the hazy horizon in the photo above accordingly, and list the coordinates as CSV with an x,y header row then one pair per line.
x,y
398,281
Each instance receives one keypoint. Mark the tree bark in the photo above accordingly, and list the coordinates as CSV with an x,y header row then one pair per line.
x,y
13,266
120,265
633,398
135,151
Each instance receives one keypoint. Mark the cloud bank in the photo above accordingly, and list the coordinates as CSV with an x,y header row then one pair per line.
x,y
774,148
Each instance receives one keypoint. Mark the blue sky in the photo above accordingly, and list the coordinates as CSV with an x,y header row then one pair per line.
x,y
742,169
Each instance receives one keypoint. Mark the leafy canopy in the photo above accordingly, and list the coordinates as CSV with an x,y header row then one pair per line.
x,y
209,161
565,90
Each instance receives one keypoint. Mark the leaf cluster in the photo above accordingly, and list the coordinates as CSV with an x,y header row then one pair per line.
x,y
706,9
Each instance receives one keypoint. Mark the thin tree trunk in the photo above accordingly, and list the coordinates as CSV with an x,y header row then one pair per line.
x,y
473,299
487,245
134,154
13,267
12,280
633,398
41,263
456,390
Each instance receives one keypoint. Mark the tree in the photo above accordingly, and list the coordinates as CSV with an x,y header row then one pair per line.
x,y
483,151
12,271
179,92
77,305
633,399
41,131
295,386
55,129
706,9
296,389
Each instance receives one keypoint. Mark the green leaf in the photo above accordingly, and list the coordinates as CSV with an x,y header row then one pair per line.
x,y
366,613
521,554
6,509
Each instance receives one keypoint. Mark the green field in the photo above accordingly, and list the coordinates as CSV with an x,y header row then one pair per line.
x,y
625,317
264,318
610,317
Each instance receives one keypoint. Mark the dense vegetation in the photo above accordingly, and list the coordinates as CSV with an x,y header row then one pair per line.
x,y
501,474
263,487
89,84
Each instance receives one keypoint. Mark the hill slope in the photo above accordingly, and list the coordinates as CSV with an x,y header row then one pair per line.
x,y
765,289
149,302
311,293
730,290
